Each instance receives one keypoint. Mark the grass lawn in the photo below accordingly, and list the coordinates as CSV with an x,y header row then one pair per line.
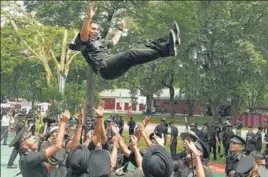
x,y
177,119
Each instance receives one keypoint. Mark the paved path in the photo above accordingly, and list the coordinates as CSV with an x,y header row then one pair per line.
x,y
5,153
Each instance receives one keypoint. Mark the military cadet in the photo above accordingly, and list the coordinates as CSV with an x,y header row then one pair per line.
x,y
245,167
31,119
236,146
192,164
266,140
100,162
121,125
259,139
259,159
173,140
20,120
218,136
239,127
212,141
193,127
251,141
227,134
131,125
250,166
33,163
203,135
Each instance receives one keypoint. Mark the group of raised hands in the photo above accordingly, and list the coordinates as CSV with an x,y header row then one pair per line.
x,y
92,11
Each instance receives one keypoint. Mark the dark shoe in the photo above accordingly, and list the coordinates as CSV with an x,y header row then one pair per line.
x,y
176,30
12,166
172,39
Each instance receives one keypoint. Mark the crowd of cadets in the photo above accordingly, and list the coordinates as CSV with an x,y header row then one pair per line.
x,y
65,147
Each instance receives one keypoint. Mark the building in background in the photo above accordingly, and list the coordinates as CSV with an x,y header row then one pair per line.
x,y
121,101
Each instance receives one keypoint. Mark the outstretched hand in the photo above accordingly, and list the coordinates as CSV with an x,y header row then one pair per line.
x,y
81,117
122,24
100,110
91,10
115,128
146,120
65,116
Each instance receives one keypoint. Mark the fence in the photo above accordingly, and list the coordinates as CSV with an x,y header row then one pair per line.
x,y
254,120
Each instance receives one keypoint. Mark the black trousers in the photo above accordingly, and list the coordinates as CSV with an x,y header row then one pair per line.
x,y
173,149
33,130
12,157
212,148
118,64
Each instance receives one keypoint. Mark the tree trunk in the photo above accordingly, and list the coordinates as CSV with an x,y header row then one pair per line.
x,y
90,94
190,107
149,103
171,94
215,111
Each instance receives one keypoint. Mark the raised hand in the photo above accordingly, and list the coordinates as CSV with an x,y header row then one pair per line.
x,y
91,10
122,24
134,141
115,128
100,110
81,117
65,116
146,120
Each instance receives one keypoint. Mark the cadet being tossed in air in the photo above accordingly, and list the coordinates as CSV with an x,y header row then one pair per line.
x,y
95,49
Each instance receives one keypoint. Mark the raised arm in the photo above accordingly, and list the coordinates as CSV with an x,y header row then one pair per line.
x,y
85,32
59,140
76,138
116,139
118,33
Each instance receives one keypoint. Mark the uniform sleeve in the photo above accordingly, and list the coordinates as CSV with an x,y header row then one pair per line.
x,y
35,158
173,132
135,173
78,45
109,44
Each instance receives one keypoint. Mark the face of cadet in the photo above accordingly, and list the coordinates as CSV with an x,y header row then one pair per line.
x,y
234,147
30,143
95,30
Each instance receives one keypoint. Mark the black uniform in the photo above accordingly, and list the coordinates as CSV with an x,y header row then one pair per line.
x,y
212,141
32,164
182,169
266,139
251,142
265,153
161,128
259,141
218,135
231,163
96,53
228,133
173,145
204,137
121,126
131,125
20,124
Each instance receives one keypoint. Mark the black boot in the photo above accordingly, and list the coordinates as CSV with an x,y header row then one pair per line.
x,y
176,30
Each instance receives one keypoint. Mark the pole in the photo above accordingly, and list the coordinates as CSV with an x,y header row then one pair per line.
x,y
89,98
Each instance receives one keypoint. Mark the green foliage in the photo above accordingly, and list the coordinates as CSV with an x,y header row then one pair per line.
x,y
223,55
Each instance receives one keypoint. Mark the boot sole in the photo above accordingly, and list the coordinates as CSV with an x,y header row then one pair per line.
x,y
176,30
172,37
